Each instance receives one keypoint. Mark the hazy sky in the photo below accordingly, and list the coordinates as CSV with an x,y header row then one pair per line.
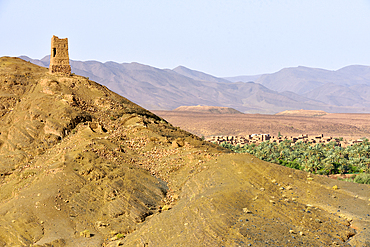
x,y
222,38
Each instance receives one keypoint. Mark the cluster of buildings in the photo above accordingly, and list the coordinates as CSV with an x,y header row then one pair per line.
x,y
258,138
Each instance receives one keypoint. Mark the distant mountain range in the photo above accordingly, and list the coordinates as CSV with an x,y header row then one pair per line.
x,y
344,90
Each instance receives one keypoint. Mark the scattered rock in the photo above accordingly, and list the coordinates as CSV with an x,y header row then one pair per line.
x,y
245,210
101,224
85,233
166,207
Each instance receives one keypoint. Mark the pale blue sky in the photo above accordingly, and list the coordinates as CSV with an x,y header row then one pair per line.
x,y
222,38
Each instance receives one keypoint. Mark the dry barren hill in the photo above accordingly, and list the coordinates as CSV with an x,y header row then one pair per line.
x,y
208,109
346,87
83,166
197,75
302,80
303,113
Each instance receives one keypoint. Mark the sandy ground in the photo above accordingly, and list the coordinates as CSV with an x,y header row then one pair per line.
x,y
348,126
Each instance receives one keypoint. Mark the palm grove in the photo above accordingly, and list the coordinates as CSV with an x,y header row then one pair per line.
x,y
321,158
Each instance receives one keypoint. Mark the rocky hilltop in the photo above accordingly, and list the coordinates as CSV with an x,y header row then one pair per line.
x,y
83,166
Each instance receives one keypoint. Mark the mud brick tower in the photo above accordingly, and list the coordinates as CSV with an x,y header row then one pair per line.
x,y
59,58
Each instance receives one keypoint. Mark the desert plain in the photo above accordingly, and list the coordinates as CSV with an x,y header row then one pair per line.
x,y
350,126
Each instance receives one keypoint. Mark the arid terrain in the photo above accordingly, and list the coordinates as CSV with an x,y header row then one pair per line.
x,y
291,123
342,91
208,109
83,166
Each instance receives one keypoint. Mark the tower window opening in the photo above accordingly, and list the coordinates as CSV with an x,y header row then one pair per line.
x,y
54,51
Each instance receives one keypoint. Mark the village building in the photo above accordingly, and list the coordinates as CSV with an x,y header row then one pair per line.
x,y
258,138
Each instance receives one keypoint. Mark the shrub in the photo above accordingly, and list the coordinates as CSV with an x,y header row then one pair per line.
x,y
362,178
347,179
291,164
120,235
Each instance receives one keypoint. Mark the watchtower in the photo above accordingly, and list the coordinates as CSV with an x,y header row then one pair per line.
x,y
59,59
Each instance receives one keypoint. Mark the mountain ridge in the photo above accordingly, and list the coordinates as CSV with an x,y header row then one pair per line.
x,y
287,89
302,80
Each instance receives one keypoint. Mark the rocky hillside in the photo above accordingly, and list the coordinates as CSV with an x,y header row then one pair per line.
x,y
83,166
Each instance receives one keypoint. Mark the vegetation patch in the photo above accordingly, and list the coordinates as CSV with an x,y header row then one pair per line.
x,y
362,178
323,159
120,235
